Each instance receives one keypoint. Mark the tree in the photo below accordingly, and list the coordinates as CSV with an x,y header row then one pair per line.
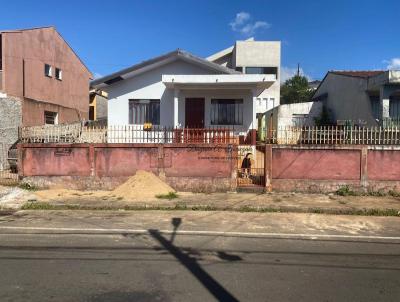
x,y
296,90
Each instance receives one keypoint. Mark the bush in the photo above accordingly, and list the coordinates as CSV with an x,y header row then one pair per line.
x,y
170,195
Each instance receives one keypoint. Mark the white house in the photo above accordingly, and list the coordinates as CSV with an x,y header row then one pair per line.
x,y
181,90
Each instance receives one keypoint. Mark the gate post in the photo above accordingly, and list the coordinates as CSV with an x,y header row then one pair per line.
x,y
268,167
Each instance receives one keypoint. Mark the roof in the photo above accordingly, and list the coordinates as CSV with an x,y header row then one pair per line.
x,y
157,61
358,73
25,29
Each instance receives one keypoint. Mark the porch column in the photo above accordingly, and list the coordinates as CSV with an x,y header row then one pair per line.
x,y
254,124
384,102
176,109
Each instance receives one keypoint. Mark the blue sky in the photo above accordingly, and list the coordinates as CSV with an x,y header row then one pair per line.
x,y
320,35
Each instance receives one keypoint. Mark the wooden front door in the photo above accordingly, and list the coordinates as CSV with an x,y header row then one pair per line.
x,y
194,113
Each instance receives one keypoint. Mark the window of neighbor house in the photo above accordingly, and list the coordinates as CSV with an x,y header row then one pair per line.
x,y
226,112
144,111
375,106
394,107
47,70
58,74
50,118
262,70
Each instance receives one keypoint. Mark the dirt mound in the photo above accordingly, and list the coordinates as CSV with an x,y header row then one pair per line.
x,y
142,185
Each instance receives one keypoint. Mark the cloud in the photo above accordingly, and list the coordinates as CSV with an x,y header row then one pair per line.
x,y
287,73
243,25
393,63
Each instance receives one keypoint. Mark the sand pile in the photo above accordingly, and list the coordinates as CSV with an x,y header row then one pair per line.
x,y
142,185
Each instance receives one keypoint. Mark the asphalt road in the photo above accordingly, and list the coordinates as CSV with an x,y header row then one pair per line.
x,y
187,256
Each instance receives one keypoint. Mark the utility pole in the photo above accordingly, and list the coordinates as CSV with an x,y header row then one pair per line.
x,y
298,69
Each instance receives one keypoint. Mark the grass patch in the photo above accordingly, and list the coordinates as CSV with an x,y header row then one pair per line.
x,y
169,196
346,191
28,187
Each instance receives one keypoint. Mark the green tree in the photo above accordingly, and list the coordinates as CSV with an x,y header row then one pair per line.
x,y
296,90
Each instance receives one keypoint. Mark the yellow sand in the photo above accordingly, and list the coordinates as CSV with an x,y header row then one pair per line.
x,y
142,186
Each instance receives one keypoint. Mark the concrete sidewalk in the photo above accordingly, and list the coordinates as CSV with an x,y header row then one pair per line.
x,y
270,202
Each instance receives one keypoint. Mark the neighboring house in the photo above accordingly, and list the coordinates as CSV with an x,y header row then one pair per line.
x,y
98,106
364,98
313,85
283,117
179,89
42,81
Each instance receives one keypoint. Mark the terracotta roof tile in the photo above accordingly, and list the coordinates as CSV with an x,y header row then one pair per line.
x,y
358,73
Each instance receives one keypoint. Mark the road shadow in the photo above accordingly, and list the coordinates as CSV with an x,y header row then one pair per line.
x,y
192,265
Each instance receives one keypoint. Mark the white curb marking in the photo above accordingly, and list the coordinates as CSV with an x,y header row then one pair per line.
x,y
216,233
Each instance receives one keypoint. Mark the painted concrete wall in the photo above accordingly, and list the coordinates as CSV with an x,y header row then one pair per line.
x,y
326,168
24,56
282,116
347,99
185,167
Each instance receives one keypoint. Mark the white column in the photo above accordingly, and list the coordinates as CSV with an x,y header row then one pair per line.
x,y
384,102
176,109
254,124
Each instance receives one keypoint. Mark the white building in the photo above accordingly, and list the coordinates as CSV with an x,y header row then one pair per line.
x,y
181,90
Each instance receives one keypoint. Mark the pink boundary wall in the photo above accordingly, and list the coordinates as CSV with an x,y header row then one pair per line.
x,y
327,168
85,166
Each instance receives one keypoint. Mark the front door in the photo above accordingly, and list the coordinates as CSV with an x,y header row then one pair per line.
x,y
194,113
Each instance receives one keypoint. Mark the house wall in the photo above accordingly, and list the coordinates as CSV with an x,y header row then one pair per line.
x,y
83,166
149,86
24,55
261,54
347,99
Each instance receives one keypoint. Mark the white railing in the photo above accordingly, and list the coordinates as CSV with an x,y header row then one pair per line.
x,y
334,135
126,134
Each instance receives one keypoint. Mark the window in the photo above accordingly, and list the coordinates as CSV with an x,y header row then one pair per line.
x,y
394,107
239,69
226,112
299,120
47,70
262,70
144,111
58,74
50,118
375,106
91,113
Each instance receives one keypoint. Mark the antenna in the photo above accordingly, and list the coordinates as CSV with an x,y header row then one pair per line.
x,y
298,69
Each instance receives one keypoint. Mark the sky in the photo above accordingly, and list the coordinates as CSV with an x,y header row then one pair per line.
x,y
320,35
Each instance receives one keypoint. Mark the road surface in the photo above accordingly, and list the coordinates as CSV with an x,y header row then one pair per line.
x,y
197,256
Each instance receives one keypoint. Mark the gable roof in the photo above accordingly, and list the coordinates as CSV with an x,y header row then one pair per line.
x,y
358,73
158,61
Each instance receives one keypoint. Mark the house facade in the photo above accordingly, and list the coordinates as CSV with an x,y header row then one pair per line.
x,y
42,81
181,90
363,98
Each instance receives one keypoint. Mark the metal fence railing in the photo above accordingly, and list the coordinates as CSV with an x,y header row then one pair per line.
x,y
76,133
334,135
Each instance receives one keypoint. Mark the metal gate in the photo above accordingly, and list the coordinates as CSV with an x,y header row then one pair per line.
x,y
250,166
